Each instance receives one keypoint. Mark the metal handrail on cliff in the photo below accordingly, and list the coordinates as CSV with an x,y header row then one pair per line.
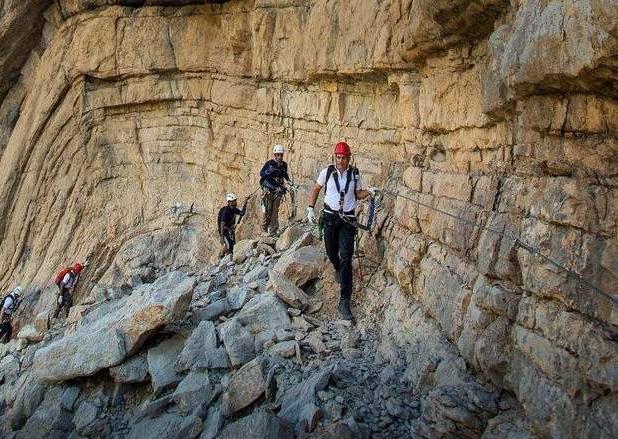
x,y
517,241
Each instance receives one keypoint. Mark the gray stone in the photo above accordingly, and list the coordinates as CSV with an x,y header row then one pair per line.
x,y
115,330
48,421
194,391
285,349
9,368
287,290
212,311
245,386
134,370
314,340
69,397
212,423
302,265
85,418
302,394
264,312
258,425
152,409
169,426
161,364
201,351
238,296
309,417
258,273
254,325
24,398
238,341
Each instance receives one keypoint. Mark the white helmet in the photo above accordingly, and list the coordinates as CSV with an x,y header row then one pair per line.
x,y
17,291
231,196
278,149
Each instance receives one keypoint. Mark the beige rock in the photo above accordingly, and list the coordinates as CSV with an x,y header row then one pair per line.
x,y
287,290
245,387
302,265
30,333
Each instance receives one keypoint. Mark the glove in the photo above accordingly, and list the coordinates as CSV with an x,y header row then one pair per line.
x,y
372,191
310,215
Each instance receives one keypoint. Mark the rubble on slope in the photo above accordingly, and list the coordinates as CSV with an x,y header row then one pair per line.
x,y
249,354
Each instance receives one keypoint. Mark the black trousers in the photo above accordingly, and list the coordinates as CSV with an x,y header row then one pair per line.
x,y
229,238
67,301
339,242
6,330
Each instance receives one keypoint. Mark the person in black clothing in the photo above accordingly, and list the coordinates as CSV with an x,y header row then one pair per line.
x,y
226,222
272,180
343,187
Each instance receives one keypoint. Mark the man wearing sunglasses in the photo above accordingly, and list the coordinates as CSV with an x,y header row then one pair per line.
x,y
273,175
343,188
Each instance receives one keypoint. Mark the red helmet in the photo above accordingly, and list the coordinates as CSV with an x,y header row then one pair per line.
x,y
77,267
342,148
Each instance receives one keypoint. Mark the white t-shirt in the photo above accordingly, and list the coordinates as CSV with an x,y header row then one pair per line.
x,y
331,197
69,281
9,305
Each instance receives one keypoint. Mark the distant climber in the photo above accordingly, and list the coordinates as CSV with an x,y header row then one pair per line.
x,y
273,175
226,222
9,305
66,280
343,187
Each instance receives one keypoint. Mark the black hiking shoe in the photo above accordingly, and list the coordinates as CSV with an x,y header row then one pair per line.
x,y
344,310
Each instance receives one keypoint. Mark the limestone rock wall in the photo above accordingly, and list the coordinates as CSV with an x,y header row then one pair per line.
x,y
501,113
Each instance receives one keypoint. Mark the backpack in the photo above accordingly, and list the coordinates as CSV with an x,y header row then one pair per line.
x,y
61,274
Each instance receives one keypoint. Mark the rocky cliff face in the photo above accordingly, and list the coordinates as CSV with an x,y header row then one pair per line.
x,y
485,120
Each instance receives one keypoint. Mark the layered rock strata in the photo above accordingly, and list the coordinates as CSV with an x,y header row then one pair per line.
x,y
128,124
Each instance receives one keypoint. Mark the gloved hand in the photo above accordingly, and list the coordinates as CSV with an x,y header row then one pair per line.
x,y
372,190
311,215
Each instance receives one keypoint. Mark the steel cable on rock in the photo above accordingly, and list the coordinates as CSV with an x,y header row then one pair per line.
x,y
517,241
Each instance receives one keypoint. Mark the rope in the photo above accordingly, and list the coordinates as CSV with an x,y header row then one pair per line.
x,y
517,241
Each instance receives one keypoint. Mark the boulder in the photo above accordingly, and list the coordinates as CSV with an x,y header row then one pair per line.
x,y
259,321
114,331
257,273
30,334
77,312
301,265
135,370
238,296
238,342
201,351
289,235
69,397
162,364
305,240
212,423
85,418
243,249
258,425
194,391
169,426
246,386
212,311
285,349
41,321
287,290
302,394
